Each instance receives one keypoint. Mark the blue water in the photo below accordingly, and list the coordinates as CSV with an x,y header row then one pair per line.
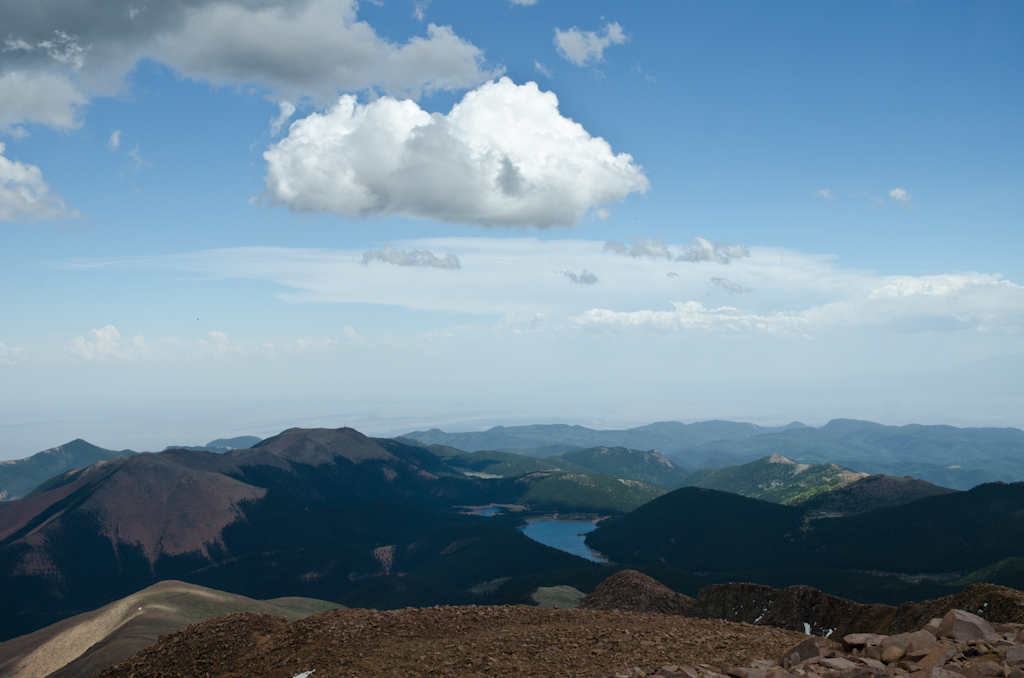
x,y
564,535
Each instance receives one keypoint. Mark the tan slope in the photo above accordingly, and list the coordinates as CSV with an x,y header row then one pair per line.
x,y
84,645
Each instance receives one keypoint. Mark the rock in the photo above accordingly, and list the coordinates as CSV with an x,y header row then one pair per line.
x,y
805,649
1015,673
938,655
932,627
893,653
861,672
837,663
983,670
915,655
1014,654
934,673
740,672
964,627
919,639
765,664
688,671
867,661
861,640
873,652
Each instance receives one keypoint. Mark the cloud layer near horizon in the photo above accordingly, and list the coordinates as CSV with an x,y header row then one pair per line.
x,y
503,156
784,292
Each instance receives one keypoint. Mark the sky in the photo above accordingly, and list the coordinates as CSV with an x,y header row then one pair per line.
x,y
232,217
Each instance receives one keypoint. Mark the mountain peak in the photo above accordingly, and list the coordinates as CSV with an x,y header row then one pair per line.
x,y
319,446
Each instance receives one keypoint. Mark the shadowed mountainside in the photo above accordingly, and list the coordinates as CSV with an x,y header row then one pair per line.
x,y
19,477
707,531
871,493
318,513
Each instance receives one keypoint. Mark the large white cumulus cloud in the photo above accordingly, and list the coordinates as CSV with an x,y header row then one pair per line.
x,y
503,156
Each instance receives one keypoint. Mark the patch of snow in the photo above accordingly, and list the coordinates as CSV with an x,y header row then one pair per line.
x,y
304,674
807,630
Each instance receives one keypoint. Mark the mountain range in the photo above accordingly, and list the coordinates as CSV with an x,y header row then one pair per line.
x,y
334,515
948,456
668,436
317,513
21,476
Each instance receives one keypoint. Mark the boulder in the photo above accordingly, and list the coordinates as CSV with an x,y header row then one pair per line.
x,y
891,654
867,661
837,663
1014,654
861,672
963,627
983,670
853,640
920,640
805,649
938,655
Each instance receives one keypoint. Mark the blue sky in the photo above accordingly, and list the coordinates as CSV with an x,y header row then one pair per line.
x,y
223,218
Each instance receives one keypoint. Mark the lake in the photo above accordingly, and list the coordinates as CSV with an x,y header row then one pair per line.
x,y
564,535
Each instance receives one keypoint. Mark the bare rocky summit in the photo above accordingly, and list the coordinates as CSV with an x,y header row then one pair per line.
x,y
636,592
453,641
528,641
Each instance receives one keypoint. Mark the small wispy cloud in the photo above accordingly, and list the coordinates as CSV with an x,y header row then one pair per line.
x,y
421,258
105,342
641,247
585,48
137,157
728,286
278,123
901,196
419,9
584,278
823,193
114,141
9,355
702,249
542,69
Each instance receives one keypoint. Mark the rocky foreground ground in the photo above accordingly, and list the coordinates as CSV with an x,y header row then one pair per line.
x,y
527,641
453,641
630,626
